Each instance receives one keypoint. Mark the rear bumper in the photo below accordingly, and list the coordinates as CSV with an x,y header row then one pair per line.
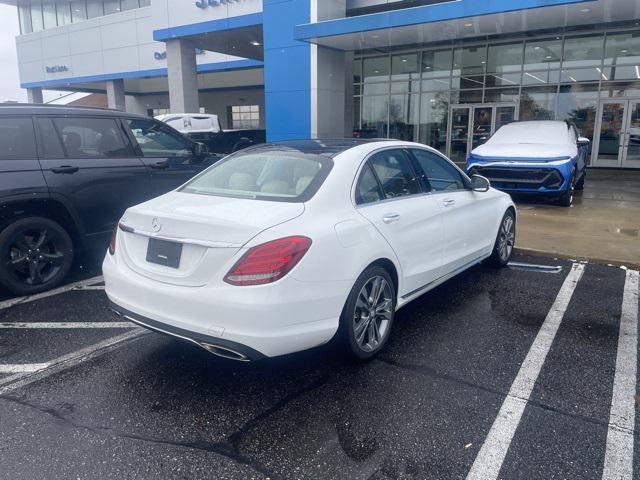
x,y
525,177
256,322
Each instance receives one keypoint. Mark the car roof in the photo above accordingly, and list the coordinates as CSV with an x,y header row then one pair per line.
x,y
40,109
321,146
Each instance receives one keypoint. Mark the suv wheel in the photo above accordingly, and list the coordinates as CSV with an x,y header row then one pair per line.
x,y
566,199
35,255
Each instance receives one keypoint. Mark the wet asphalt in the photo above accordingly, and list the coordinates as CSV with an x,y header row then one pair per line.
x,y
155,407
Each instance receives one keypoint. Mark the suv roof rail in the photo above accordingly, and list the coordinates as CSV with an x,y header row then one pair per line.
x,y
52,105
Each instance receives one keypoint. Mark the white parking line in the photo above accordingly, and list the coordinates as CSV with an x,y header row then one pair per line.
x,y
494,449
62,325
65,362
618,458
23,368
65,288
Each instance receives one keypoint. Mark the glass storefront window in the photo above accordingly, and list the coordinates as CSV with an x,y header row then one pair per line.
x,y
628,72
498,95
541,78
404,117
63,10
466,96
36,16
434,113
476,81
111,6
376,69
357,101
505,58
436,84
502,79
405,87
145,3
436,63
622,49
129,4
49,15
542,54
579,104
469,60
78,11
620,89
575,75
375,116
583,51
94,8
538,103
376,88
405,67
357,71
24,13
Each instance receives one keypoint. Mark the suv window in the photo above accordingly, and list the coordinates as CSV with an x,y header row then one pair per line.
x,y
50,144
157,140
17,140
87,137
368,188
439,173
395,173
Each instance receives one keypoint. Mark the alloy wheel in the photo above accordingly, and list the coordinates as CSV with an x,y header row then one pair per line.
x,y
506,238
373,314
35,255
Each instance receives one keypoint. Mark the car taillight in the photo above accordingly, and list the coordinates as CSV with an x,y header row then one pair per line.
x,y
268,262
112,242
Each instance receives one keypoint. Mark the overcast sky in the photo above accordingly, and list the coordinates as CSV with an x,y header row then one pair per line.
x,y
9,82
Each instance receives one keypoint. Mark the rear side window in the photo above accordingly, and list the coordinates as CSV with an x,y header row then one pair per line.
x,y
157,140
440,174
17,139
86,137
368,188
50,143
395,173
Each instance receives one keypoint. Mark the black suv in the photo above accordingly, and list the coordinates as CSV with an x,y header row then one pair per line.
x,y
66,176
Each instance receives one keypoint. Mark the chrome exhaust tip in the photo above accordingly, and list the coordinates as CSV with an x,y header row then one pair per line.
x,y
225,352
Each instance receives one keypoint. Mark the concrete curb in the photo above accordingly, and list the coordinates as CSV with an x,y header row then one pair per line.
x,y
570,256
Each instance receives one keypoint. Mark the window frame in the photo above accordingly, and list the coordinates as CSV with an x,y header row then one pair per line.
x,y
134,141
424,188
466,181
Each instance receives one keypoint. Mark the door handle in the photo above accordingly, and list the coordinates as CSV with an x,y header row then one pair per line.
x,y
390,218
447,202
160,165
65,169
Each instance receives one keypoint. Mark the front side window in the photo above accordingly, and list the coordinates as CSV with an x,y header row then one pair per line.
x,y
157,140
440,174
85,137
17,140
395,173
264,174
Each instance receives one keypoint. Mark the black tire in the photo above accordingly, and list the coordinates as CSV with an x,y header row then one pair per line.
x,y
580,184
506,233
354,313
566,199
35,255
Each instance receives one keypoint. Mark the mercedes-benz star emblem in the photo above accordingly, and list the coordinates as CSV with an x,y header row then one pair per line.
x,y
155,224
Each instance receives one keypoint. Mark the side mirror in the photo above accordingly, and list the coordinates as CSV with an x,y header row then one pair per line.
x,y
480,183
583,141
200,150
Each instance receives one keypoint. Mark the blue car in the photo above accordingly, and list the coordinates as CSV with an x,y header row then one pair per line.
x,y
545,158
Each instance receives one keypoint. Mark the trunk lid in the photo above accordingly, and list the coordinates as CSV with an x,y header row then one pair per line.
x,y
211,230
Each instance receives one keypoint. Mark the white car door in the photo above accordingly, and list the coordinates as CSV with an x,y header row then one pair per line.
x,y
468,216
391,196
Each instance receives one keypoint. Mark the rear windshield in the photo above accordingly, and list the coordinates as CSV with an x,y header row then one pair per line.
x,y
543,133
281,175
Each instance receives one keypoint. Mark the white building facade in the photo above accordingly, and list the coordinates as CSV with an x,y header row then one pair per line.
x,y
427,70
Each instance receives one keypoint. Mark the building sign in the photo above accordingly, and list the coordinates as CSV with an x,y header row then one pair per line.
x,y
163,55
214,3
57,69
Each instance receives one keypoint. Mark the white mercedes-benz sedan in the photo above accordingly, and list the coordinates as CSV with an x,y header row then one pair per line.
x,y
282,247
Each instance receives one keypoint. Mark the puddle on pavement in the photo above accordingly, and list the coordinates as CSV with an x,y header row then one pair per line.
x,y
533,267
629,232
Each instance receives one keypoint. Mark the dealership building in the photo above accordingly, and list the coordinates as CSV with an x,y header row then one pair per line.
x,y
443,73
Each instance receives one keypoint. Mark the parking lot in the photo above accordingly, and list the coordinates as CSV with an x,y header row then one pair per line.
x,y
514,373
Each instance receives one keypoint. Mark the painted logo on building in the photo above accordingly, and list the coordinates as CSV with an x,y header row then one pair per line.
x,y
57,69
214,3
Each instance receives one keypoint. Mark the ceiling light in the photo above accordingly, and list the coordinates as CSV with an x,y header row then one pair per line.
x,y
638,71
624,51
585,10
404,60
255,43
548,56
533,76
572,79
468,25
537,48
375,36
